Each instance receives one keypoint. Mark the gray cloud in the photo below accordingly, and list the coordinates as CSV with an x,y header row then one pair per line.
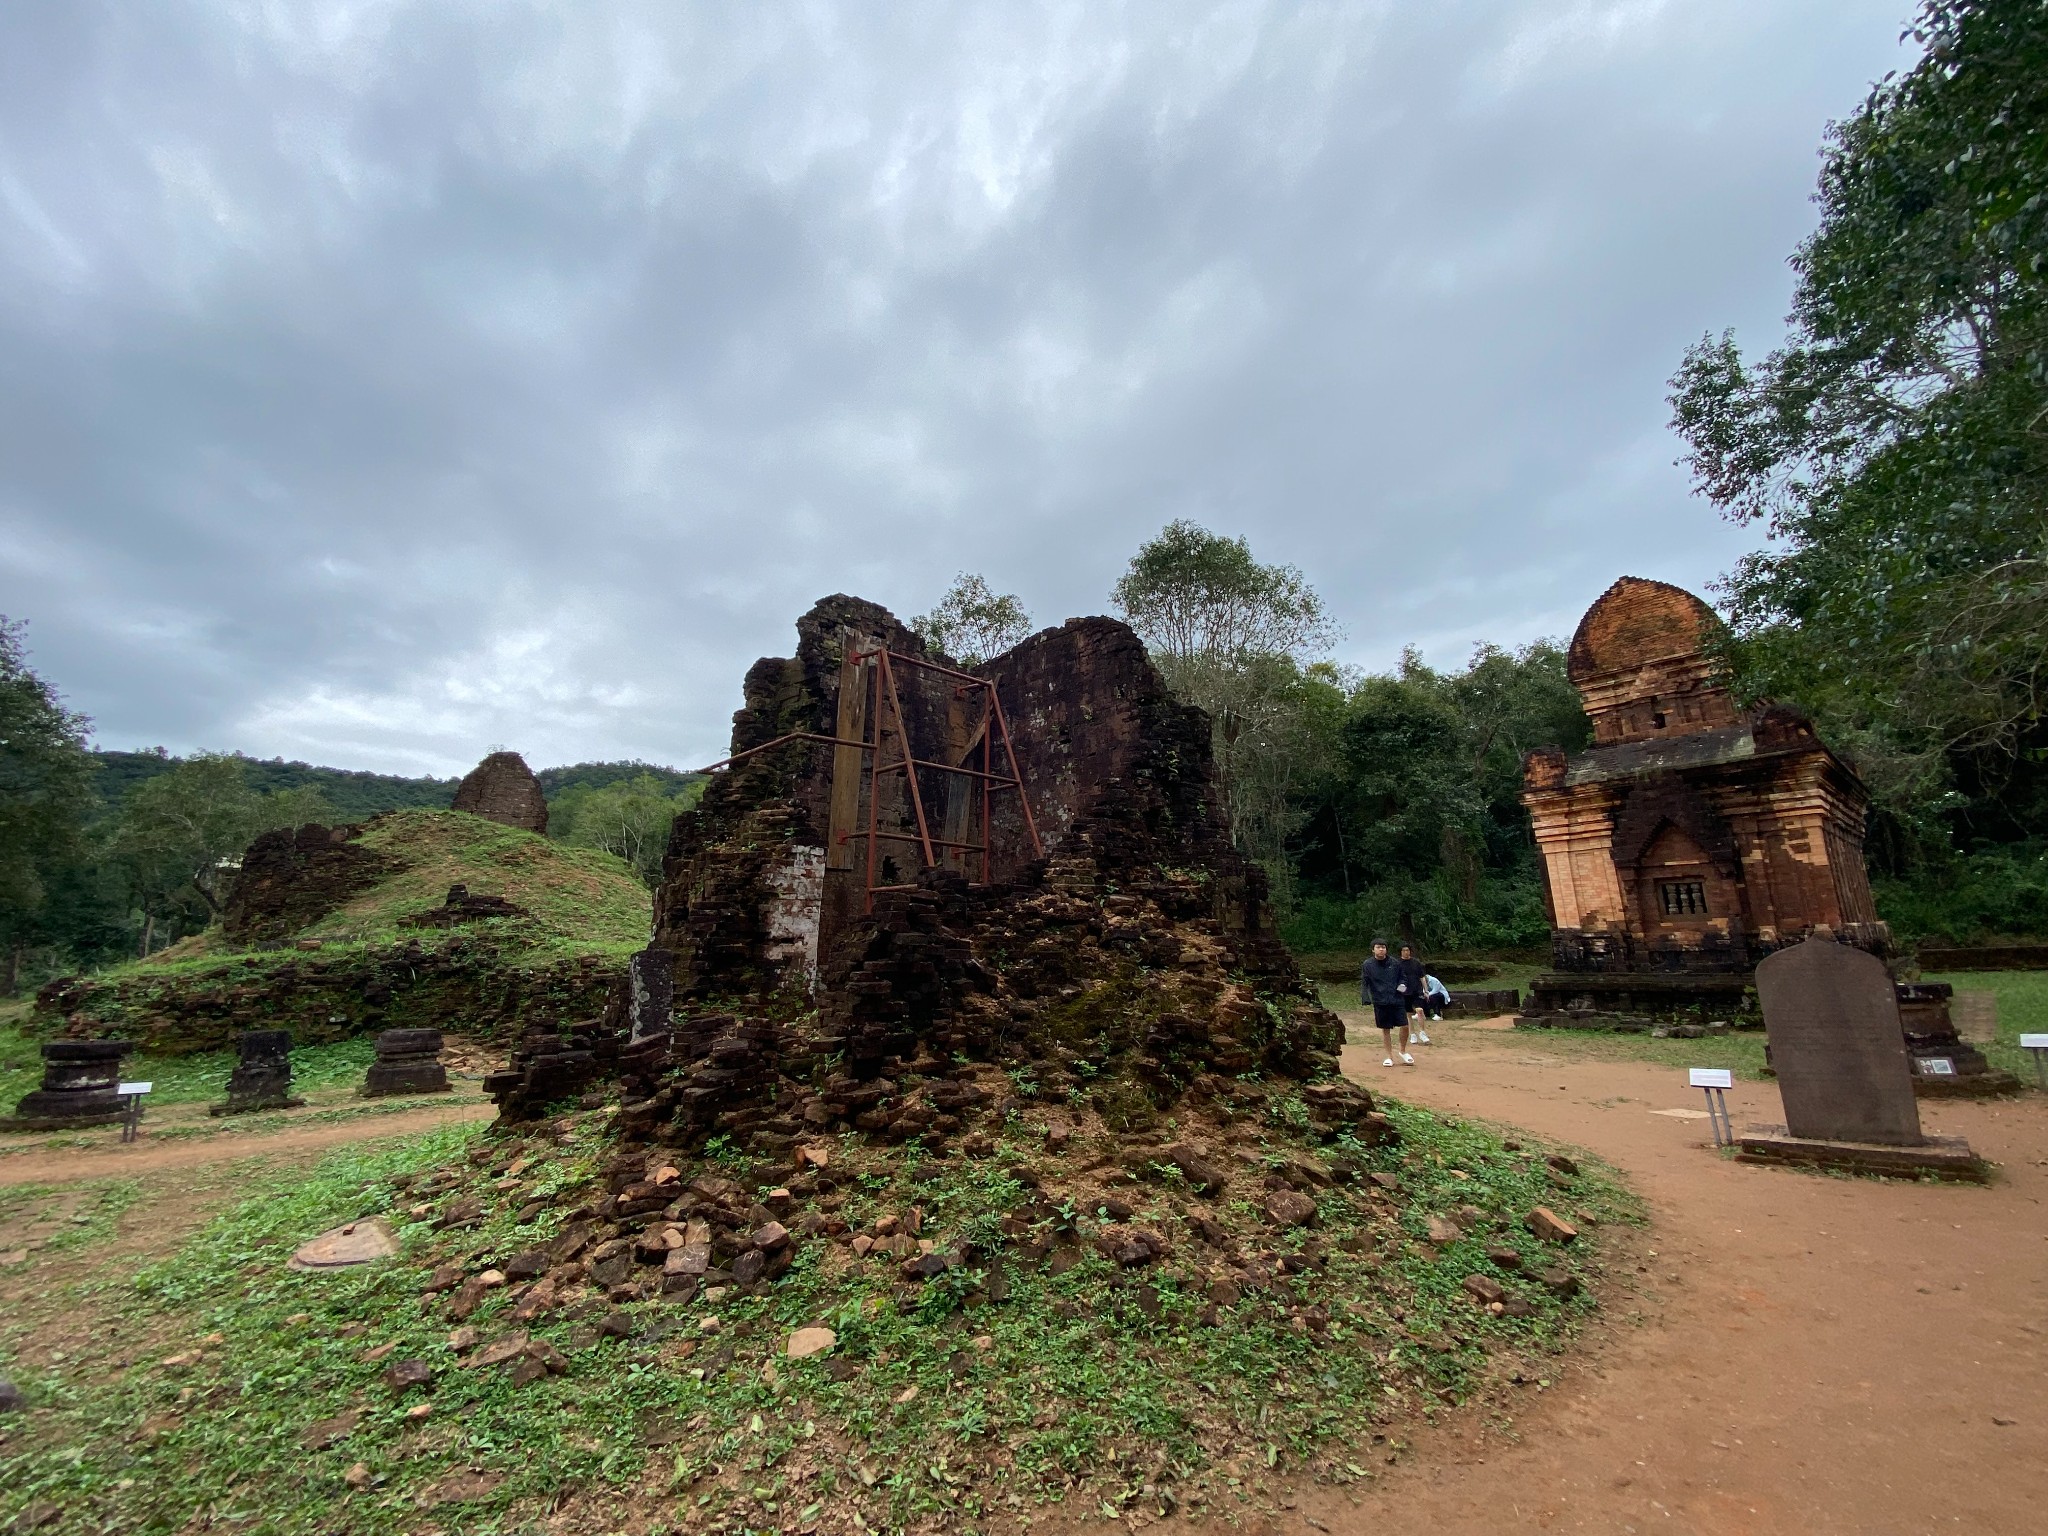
x,y
382,382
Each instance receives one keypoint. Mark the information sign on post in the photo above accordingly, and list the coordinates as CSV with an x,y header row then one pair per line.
x,y
133,1093
1716,1081
2036,1046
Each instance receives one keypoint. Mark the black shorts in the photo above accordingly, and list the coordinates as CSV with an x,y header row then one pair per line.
x,y
1390,1015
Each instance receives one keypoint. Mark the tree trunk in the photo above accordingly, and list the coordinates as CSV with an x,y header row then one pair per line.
x,y
1463,864
14,967
148,932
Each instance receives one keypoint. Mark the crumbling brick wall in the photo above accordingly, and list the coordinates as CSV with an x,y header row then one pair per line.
x,y
502,788
1133,956
295,876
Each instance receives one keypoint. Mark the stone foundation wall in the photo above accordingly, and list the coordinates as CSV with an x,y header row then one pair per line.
x,y
465,985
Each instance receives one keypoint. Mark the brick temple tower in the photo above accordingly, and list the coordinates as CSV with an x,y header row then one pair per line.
x,y
1694,836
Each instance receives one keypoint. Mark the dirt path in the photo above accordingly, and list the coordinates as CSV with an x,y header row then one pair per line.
x,y
1815,1354
145,1156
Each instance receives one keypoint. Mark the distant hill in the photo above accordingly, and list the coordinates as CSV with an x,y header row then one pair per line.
x,y
355,795
598,775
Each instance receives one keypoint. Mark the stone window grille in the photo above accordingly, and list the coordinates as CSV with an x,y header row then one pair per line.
x,y
1683,898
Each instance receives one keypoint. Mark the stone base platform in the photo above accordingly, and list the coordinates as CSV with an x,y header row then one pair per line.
x,y
1948,1156
1967,1085
61,1122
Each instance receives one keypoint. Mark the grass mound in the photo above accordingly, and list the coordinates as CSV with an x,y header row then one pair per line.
x,y
574,898
1034,1366
368,963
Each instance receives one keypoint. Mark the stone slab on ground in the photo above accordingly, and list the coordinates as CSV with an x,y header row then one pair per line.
x,y
1949,1156
357,1242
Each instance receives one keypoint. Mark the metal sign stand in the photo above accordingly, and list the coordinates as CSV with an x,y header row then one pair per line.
x,y
131,1122
1716,1081
2036,1046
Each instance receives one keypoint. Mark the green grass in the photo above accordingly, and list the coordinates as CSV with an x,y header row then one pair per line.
x,y
1080,1392
93,1212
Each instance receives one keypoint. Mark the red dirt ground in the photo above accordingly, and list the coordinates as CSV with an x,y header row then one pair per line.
x,y
1815,1355
1807,1355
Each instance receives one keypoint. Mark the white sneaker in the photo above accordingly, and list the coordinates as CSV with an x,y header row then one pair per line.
x,y
1405,1057
1388,1062
1419,1039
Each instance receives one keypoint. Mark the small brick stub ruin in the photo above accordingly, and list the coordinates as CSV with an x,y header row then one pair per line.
x,y
1098,931
1694,836
80,1086
262,1078
502,788
408,1061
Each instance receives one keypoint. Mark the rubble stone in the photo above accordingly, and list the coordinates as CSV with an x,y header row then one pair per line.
x,y
1289,1208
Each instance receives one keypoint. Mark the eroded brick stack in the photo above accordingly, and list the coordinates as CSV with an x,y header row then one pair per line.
x,y
1130,957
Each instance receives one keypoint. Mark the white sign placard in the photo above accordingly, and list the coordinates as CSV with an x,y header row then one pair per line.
x,y
128,1088
1936,1066
1712,1077
2034,1042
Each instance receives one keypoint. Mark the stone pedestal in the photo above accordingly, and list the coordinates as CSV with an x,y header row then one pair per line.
x,y
79,1082
262,1078
408,1061
1945,1065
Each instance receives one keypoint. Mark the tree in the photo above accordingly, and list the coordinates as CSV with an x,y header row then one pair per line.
x,y
1414,822
1240,640
1896,447
179,836
1199,600
630,819
45,797
973,624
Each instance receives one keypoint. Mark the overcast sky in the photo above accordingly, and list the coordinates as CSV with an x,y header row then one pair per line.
x,y
381,383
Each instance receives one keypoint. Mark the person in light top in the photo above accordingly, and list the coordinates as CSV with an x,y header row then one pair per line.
x,y
1436,997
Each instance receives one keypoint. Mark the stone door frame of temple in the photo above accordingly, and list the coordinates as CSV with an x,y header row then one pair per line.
x,y
881,687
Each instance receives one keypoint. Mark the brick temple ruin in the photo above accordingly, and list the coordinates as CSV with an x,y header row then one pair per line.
x,y
909,870
1695,836
502,788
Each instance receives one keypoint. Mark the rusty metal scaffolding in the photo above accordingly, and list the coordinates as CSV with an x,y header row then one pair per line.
x,y
882,664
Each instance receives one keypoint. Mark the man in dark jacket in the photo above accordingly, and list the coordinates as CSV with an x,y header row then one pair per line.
x,y
1385,990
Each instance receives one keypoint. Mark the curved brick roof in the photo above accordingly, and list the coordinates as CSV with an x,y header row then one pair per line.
x,y
1635,622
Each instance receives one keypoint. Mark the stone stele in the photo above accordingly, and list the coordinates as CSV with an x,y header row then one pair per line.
x,y
359,1242
502,788
1840,1056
